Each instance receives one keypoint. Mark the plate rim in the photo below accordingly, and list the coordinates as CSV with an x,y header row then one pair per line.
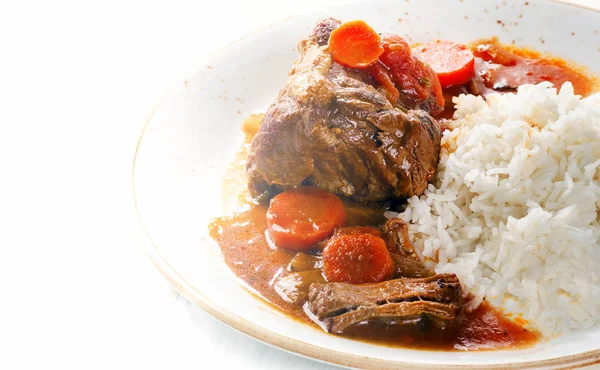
x,y
308,350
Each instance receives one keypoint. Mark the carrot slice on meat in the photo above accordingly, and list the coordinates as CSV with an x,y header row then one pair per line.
x,y
300,217
357,258
355,44
453,63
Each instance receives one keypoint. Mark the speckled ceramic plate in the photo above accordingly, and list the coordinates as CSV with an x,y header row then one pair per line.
x,y
195,132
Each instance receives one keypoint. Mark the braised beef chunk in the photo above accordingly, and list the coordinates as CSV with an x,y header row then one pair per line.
x,y
333,298
330,126
401,313
340,305
408,263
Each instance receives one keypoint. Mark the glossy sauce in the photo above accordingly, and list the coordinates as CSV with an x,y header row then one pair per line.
x,y
522,66
482,329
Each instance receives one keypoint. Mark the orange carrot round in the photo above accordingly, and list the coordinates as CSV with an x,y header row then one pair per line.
x,y
453,63
357,258
354,44
300,217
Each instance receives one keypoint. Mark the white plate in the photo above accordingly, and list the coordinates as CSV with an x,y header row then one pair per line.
x,y
195,132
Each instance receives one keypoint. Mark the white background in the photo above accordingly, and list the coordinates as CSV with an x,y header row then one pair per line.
x,y
77,81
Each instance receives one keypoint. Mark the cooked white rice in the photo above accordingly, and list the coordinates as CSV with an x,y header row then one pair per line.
x,y
514,209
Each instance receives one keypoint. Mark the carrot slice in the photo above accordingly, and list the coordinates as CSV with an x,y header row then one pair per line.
x,y
354,44
300,217
357,258
453,63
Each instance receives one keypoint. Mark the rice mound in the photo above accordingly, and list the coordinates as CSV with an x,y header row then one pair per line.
x,y
514,207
